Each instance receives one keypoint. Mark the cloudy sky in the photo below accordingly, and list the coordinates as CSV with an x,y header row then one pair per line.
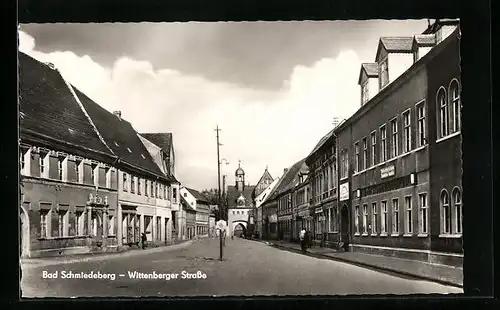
x,y
272,87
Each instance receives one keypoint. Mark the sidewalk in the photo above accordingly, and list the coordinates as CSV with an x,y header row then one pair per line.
x,y
437,273
48,261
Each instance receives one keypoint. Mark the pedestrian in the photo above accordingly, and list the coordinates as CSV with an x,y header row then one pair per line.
x,y
308,239
302,238
144,239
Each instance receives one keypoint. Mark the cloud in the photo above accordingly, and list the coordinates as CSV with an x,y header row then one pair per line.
x,y
258,126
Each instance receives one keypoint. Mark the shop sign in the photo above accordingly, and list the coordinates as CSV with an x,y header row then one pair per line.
x,y
344,191
98,200
387,172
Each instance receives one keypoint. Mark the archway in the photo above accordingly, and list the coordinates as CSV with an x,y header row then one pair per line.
x,y
345,223
240,230
24,233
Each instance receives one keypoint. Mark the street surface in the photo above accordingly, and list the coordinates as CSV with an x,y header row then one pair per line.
x,y
249,268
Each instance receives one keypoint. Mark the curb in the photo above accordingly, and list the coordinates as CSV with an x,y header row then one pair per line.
x,y
99,257
361,264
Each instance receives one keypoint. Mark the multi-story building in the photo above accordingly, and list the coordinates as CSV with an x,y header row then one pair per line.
x,y
269,208
301,218
400,152
142,185
284,196
324,211
201,205
190,218
68,182
165,158
259,201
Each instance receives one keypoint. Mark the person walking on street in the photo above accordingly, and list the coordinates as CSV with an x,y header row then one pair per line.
x,y
144,239
302,238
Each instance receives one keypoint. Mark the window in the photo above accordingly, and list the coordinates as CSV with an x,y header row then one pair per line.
x,y
78,223
409,220
41,163
111,225
132,184
330,220
454,94
374,218
421,140
443,113
365,219
158,228
365,92
394,144
446,215
165,196
156,189
373,138
93,167
424,216
139,185
395,214
21,160
160,191
383,144
146,186
152,189
365,153
77,170
60,218
383,224
384,73
125,185
457,202
60,167
356,158
43,224
356,219
407,131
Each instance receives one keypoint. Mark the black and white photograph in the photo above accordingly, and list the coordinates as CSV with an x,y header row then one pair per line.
x,y
285,158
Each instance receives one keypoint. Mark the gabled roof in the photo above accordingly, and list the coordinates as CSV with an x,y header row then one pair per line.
x,y
395,45
48,109
198,196
441,22
321,142
269,190
186,205
163,140
424,40
291,178
265,176
371,70
120,136
233,194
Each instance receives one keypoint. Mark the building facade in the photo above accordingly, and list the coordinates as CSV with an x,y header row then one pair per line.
x,y
300,203
68,182
259,201
393,175
201,205
239,204
190,218
324,211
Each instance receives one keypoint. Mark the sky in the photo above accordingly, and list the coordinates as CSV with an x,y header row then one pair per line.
x,y
273,88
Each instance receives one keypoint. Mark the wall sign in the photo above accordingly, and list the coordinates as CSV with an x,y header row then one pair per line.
x,y
344,191
98,200
387,172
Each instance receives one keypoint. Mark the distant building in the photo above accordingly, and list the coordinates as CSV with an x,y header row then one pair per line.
x,y
201,205
240,203
259,201
190,219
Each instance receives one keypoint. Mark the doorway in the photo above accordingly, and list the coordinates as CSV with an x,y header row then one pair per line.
x,y
345,224
24,233
166,231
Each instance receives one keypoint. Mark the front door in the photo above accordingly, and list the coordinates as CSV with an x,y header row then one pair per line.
x,y
166,231
345,224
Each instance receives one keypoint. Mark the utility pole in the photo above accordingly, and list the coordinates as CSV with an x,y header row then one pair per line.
x,y
218,192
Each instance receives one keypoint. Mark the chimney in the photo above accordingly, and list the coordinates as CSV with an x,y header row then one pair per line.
x,y
285,170
118,114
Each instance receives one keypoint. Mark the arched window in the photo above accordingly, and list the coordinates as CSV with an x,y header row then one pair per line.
x,y
446,212
457,204
443,113
455,106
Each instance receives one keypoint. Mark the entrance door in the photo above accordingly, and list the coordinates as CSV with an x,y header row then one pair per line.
x,y
345,224
166,231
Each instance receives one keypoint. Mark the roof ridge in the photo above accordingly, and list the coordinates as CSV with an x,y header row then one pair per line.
x,y
70,87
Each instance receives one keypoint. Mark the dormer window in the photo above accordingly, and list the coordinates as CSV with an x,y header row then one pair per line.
x,y
384,72
365,94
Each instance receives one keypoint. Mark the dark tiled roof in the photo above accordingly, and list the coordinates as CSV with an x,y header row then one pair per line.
x,y
233,194
162,140
48,108
425,40
120,136
321,142
198,196
397,44
290,179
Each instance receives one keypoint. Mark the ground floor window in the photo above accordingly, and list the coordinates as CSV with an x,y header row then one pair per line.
x,y
43,223
395,216
446,212
457,203
424,218
111,225
365,219
158,228
79,223
356,219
